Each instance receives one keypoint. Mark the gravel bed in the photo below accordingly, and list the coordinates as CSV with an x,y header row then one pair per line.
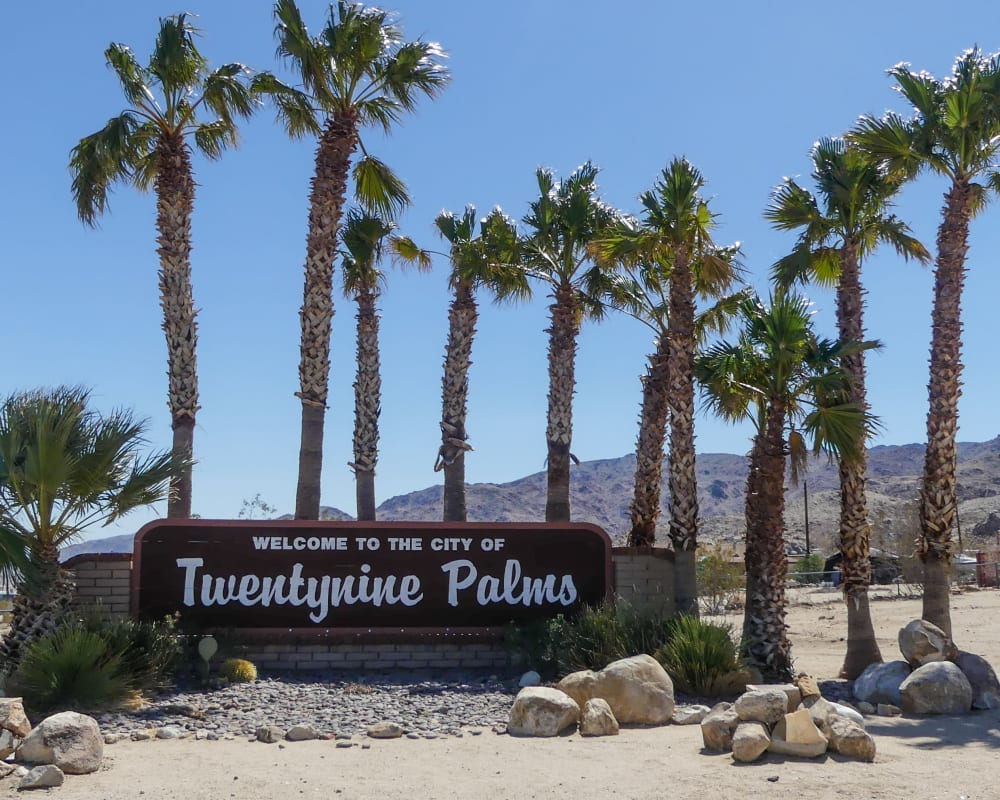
x,y
442,705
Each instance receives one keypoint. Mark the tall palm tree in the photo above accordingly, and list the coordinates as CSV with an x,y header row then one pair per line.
x,y
788,384
675,260
173,101
63,468
357,72
838,228
561,224
954,132
365,237
477,261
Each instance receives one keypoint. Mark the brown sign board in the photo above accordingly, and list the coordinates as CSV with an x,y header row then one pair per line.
x,y
367,575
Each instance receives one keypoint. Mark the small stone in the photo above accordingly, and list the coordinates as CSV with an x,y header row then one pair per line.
x,y
865,708
808,686
13,718
888,710
597,719
750,741
413,735
142,735
366,746
168,732
921,642
850,739
530,678
201,734
6,768
766,705
302,733
846,711
342,737
772,778
344,744
385,730
542,711
270,734
20,772
43,777
790,689
689,715
718,726
112,738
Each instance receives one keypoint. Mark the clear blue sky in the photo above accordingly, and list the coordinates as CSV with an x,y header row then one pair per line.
x,y
741,91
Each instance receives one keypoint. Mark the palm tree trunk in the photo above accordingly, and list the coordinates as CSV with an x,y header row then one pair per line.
x,y
174,204
938,502
563,330
855,529
645,509
326,200
462,317
39,608
766,644
683,475
367,404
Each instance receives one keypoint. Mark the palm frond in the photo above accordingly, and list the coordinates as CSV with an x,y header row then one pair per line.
x,y
378,189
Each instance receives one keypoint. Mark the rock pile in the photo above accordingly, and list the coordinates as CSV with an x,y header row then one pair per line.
x,y
935,677
787,719
62,744
634,691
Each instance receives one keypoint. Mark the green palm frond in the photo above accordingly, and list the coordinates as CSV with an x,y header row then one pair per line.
x,y
378,188
294,108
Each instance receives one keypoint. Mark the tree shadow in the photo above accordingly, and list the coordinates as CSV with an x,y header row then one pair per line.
x,y
935,731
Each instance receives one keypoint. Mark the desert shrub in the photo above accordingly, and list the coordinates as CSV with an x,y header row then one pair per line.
x,y
589,639
809,569
698,654
238,670
72,668
149,652
721,579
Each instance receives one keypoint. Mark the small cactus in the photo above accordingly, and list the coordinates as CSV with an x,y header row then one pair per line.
x,y
238,670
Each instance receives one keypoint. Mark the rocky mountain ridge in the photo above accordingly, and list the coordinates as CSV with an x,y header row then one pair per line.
x,y
601,491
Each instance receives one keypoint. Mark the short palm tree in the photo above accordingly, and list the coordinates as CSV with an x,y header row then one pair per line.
x,y
954,132
174,101
474,265
787,382
676,261
839,227
561,224
63,468
357,72
365,237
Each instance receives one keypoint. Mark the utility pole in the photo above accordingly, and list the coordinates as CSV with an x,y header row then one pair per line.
x,y
805,499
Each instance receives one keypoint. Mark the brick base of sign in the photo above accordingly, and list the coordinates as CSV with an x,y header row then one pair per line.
x,y
643,578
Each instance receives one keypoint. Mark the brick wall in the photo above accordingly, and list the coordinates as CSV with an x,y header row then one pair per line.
x,y
643,577
102,578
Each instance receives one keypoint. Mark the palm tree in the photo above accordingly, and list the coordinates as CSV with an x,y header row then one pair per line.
x,y
173,101
788,384
364,237
839,228
954,132
474,265
63,468
672,260
357,72
555,250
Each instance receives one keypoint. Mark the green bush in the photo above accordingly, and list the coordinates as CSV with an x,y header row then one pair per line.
x,y
808,569
72,668
92,663
589,639
698,654
721,579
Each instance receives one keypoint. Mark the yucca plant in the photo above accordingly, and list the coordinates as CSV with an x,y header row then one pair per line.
x,y
698,654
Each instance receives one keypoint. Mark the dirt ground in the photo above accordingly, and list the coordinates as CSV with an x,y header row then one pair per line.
x,y
929,758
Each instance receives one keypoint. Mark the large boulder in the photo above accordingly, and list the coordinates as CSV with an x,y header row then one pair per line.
x,y
71,741
766,704
850,739
982,678
638,690
879,683
922,642
541,711
597,719
47,776
718,727
797,735
750,741
936,688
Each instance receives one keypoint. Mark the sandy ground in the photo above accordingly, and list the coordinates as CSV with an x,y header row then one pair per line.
x,y
929,758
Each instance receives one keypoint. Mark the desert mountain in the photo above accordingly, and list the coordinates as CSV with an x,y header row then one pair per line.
x,y
602,490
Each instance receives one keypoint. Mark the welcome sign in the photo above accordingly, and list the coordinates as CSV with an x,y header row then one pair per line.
x,y
277,574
